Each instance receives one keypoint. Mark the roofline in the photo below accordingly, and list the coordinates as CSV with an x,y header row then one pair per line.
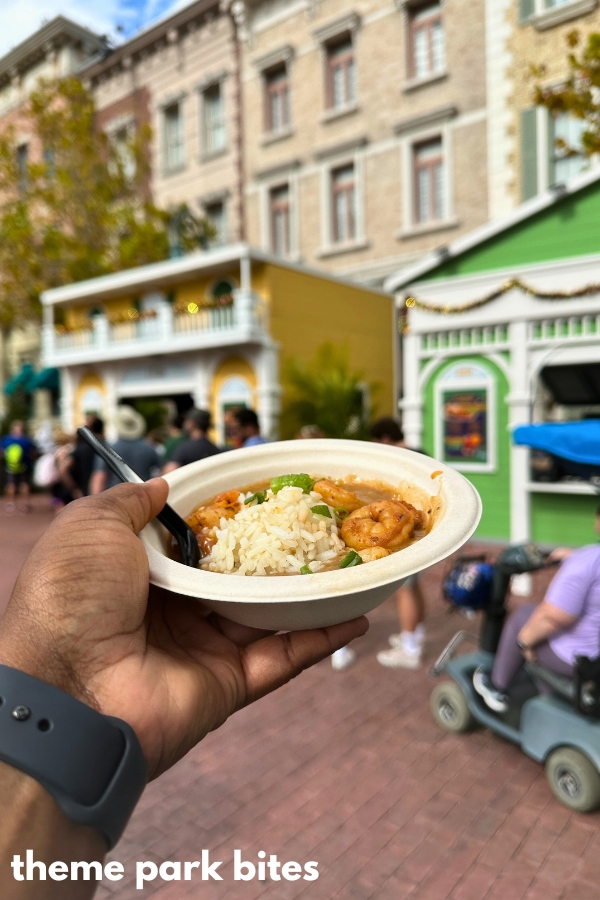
x,y
34,43
436,258
150,35
175,271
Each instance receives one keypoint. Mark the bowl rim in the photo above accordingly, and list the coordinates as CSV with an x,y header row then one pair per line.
x,y
461,501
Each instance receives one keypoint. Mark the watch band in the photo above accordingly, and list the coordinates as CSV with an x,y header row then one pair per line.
x,y
92,765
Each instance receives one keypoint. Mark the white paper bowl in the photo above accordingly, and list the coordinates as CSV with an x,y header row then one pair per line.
x,y
326,598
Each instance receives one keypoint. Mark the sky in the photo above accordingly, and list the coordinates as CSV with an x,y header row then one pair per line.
x,y
20,18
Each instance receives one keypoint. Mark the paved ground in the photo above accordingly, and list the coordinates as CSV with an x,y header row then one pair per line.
x,y
349,770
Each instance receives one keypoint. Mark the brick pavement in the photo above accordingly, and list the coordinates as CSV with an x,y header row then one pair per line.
x,y
348,768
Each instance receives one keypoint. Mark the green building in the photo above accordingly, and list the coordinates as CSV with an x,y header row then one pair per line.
x,y
502,328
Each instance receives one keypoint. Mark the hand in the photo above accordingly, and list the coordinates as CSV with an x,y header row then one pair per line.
x,y
529,655
81,617
559,554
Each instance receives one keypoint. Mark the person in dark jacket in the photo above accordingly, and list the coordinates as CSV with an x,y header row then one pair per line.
x,y
197,446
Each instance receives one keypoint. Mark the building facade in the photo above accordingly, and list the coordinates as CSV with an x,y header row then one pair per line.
x,y
366,129
212,329
181,77
524,157
503,332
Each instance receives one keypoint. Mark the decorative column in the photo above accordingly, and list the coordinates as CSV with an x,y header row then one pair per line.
x,y
518,414
67,400
268,390
48,335
201,389
412,404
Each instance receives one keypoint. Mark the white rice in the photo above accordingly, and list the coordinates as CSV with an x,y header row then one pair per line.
x,y
275,537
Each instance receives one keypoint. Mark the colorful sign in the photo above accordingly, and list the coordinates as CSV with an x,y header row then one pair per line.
x,y
464,426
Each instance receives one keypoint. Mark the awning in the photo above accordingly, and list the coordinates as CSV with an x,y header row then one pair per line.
x,y
578,442
22,379
47,379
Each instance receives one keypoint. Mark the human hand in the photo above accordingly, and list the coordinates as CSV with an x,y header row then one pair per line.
x,y
559,554
81,617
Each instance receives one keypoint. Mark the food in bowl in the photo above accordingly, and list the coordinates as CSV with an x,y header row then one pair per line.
x,y
301,525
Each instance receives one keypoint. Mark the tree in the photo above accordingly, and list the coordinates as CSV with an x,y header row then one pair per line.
x,y
579,94
76,206
325,392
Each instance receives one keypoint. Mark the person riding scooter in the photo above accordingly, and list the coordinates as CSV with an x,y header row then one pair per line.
x,y
566,624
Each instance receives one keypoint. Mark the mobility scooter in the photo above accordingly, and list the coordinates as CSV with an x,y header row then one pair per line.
x,y
553,718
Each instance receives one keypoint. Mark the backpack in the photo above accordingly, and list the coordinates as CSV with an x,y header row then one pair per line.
x,y
14,459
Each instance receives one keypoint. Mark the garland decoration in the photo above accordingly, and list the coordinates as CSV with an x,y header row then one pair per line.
x,y
587,291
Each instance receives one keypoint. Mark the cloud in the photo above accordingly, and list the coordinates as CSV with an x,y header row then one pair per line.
x,y
21,18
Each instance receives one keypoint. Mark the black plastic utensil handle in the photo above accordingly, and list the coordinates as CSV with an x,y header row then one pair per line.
x,y
178,527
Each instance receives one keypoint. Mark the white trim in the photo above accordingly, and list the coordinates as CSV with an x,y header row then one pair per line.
x,y
549,17
491,229
291,180
176,271
488,384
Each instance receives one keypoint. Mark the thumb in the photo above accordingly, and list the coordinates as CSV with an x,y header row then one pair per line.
x,y
134,504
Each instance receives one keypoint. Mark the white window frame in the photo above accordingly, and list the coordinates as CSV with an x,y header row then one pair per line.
x,y
164,106
328,245
548,16
206,151
121,123
483,379
444,131
224,239
291,179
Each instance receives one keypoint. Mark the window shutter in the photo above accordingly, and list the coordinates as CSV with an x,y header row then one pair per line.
x,y
526,10
529,173
551,138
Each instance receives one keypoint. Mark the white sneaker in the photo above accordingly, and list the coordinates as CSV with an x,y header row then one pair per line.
x,y
342,658
395,640
491,696
399,658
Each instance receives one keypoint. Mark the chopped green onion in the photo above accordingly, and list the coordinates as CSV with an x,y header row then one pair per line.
x,y
341,512
259,496
302,481
306,570
321,510
352,559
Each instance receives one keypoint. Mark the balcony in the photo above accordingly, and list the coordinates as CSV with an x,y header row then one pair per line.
x,y
167,331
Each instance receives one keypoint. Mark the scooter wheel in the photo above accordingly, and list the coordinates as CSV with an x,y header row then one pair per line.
x,y
574,780
450,708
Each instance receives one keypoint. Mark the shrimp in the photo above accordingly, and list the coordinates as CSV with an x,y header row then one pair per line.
x,y
385,523
337,496
224,506
372,553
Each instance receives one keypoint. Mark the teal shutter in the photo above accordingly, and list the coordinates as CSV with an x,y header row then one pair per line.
x,y
529,173
526,10
551,128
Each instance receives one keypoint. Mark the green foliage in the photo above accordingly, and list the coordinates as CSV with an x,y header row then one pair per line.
x,y
579,94
154,412
78,209
18,406
325,392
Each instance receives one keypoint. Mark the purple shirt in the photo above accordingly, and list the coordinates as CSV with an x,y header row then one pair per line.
x,y
576,590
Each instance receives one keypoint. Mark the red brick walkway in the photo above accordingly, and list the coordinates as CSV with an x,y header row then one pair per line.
x,y
349,770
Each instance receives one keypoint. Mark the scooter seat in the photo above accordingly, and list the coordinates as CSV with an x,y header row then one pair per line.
x,y
558,684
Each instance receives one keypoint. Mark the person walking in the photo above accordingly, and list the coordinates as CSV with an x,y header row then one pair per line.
x,y
18,452
77,467
246,427
131,446
406,650
197,446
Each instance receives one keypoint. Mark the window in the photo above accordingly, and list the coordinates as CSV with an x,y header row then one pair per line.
x,y
22,155
427,45
343,204
429,189
173,120
279,218
215,213
341,74
277,99
213,118
563,166
50,163
121,139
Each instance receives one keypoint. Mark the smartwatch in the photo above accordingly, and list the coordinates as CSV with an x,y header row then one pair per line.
x,y
92,765
522,645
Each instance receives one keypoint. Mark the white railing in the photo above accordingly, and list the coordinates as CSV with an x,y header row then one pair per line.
x,y
463,338
564,327
247,315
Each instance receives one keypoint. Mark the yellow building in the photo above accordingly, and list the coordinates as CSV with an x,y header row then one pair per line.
x,y
212,328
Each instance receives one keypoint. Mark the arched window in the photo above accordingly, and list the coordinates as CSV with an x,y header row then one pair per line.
x,y
220,292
